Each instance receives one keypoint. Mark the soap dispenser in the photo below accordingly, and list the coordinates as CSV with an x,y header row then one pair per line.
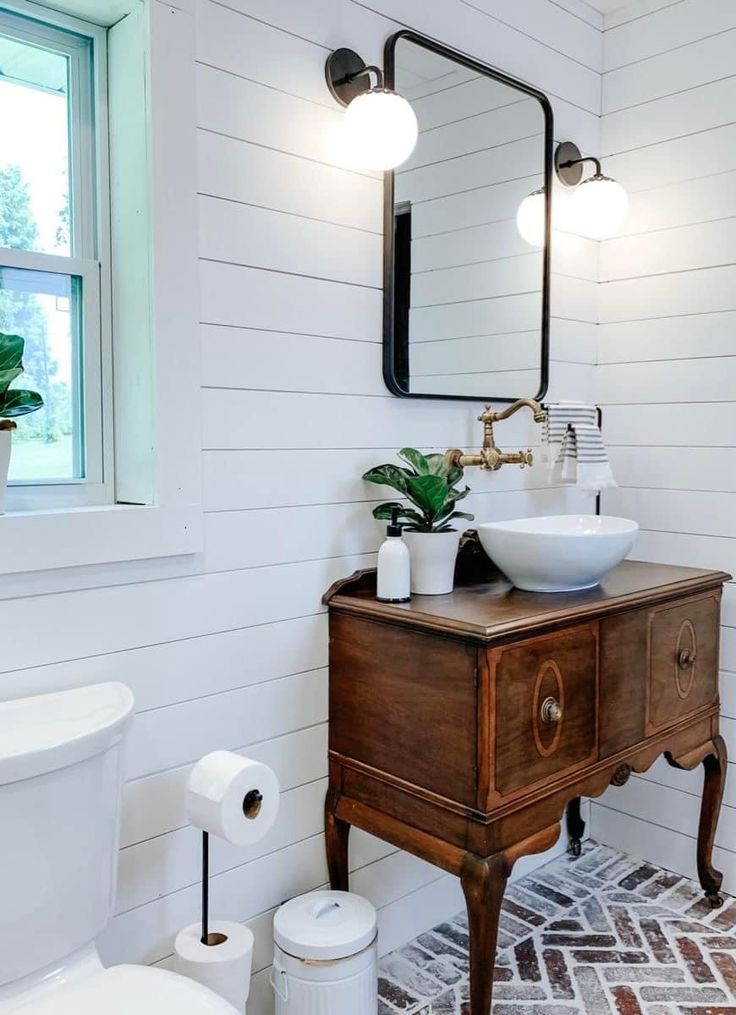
x,y
394,567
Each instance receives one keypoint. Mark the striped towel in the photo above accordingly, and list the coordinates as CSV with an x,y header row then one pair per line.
x,y
575,451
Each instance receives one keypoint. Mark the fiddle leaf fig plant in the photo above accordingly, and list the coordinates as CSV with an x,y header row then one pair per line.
x,y
429,483
14,401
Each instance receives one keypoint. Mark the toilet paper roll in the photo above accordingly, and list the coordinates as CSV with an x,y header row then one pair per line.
x,y
224,967
233,797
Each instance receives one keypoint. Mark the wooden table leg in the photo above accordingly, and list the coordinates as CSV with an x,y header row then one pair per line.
x,y
575,827
484,881
715,766
337,834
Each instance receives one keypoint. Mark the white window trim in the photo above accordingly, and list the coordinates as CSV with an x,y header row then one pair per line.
x,y
157,396
91,227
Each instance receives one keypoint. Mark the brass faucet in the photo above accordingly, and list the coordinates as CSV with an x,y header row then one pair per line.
x,y
490,457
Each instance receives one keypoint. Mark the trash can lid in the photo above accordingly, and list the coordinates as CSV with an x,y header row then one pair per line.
x,y
325,925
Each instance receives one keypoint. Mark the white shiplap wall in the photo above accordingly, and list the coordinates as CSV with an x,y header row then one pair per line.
x,y
667,360
234,656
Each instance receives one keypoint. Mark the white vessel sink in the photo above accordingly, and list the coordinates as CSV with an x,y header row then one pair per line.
x,y
558,553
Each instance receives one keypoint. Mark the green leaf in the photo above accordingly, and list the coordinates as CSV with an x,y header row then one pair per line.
x,y
384,511
19,402
416,459
461,514
11,351
439,465
388,475
8,376
428,493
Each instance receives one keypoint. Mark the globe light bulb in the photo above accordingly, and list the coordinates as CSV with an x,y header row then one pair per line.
x,y
379,130
598,208
530,218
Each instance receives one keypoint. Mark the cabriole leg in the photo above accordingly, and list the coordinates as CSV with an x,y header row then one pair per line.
x,y
575,827
715,766
484,882
337,835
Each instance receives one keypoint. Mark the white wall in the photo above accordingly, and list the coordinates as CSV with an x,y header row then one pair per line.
x,y
667,373
232,653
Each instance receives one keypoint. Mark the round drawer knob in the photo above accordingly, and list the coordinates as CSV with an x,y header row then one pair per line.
x,y
551,712
685,658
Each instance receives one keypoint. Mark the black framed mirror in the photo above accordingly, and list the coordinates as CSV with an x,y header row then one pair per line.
x,y
466,295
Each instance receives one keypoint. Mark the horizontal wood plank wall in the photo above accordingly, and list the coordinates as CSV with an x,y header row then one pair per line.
x,y
667,360
233,653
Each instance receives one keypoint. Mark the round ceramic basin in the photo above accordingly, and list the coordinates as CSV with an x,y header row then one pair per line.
x,y
558,553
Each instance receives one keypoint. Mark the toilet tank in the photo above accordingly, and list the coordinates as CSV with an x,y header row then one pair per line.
x,y
60,790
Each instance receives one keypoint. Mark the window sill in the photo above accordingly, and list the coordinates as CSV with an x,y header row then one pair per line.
x,y
47,540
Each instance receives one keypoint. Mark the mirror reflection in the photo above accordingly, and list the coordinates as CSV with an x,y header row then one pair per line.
x,y
468,266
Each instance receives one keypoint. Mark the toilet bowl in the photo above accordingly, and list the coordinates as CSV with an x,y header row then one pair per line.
x,y
60,795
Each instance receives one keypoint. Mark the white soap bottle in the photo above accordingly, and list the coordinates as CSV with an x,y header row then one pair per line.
x,y
394,567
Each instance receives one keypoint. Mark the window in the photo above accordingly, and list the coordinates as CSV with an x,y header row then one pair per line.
x,y
54,255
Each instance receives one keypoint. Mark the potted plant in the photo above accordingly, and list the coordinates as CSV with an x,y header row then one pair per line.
x,y
13,401
428,482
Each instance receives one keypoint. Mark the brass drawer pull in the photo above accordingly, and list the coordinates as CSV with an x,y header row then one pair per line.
x,y
685,658
551,712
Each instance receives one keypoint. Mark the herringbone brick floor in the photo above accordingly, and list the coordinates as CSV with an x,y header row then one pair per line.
x,y
603,933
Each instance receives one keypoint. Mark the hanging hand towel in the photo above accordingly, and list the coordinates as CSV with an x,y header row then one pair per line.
x,y
575,446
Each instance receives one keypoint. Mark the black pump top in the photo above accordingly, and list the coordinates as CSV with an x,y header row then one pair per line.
x,y
394,529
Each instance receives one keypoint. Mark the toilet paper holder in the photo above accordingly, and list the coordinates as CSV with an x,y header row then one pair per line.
x,y
252,804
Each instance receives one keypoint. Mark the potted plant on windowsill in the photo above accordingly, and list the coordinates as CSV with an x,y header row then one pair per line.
x,y
429,484
13,402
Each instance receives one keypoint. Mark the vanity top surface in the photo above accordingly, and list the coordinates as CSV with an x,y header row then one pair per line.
x,y
494,609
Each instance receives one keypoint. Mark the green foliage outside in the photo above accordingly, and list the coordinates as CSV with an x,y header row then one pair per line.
x,y
21,314
429,483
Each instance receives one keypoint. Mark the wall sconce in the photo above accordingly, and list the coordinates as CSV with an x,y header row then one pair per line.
x,y
599,205
380,128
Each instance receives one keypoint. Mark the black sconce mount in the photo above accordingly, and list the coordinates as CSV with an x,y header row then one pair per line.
x,y
569,162
348,75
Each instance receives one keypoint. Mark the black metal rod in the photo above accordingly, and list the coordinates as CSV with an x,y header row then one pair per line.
x,y
205,887
578,162
370,68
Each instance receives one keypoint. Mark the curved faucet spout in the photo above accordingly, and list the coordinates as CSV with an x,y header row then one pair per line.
x,y
529,403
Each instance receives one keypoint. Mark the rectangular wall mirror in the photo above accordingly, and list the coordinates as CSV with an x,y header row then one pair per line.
x,y
466,296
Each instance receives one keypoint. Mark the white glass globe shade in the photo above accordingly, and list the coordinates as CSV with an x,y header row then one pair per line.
x,y
599,208
380,130
530,218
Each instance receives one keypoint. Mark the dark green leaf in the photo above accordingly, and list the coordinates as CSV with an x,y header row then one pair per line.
x,y
388,475
416,459
461,514
11,351
439,465
428,493
19,402
384,511
8,376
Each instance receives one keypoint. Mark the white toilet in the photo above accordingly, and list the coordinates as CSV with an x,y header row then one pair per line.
x,y
60,791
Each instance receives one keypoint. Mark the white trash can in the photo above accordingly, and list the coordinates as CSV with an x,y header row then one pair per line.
x,y
325,956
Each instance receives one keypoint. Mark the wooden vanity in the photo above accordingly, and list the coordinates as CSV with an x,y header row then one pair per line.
x,y
461,726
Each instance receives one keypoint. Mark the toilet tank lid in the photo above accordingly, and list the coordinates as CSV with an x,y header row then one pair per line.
x,y
51,731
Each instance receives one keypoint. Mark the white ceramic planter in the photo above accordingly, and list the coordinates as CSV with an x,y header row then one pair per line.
x,y
5,447
433,556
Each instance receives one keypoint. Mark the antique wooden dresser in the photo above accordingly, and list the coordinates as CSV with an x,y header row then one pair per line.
x,y
461,726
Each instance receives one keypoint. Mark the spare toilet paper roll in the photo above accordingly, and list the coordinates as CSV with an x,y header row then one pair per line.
x,y
224,967
233,797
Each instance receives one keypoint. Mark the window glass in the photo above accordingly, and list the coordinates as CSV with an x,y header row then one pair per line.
x,y
45,309
34,148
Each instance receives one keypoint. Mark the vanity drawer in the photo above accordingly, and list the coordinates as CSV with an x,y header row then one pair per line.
x,y
682,660
544,698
